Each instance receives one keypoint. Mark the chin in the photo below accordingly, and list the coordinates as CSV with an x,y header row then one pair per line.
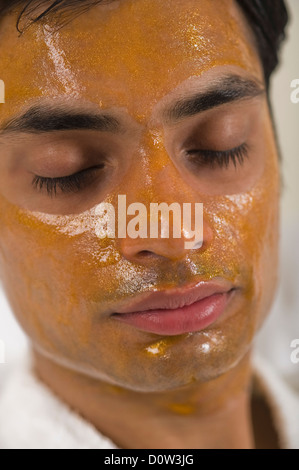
x,y
196,358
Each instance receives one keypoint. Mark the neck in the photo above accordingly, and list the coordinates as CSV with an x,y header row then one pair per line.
x,y
210,415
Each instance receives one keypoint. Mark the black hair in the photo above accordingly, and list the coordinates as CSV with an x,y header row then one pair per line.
x,y
267,19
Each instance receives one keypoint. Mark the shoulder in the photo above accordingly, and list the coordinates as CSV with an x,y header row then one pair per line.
x,y
32,417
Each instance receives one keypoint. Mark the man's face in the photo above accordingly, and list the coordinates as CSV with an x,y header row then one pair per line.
x,y
132,63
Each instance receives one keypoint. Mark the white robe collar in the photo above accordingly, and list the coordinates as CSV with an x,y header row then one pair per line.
x,y
32,417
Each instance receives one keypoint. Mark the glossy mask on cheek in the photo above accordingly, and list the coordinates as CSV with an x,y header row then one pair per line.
x,y
107,222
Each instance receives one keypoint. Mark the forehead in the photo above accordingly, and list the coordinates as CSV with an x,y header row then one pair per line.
x,y
129,53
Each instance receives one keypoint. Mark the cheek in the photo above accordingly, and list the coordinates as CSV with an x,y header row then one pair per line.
x,y
60,277
246,229
246,223
47,272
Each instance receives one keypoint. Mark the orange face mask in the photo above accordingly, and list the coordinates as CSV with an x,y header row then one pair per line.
x,y
135,59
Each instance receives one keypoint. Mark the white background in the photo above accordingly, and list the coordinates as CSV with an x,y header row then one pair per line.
x,y
283,324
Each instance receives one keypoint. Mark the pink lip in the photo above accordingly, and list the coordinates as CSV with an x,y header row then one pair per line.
x,y
177,311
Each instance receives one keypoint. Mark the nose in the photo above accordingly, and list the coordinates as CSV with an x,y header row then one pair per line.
x,y
162,211
144,250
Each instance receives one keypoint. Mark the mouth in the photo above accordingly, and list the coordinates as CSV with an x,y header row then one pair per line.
x,y
177,311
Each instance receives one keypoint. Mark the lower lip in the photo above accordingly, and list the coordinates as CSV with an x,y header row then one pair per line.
x,y
178,321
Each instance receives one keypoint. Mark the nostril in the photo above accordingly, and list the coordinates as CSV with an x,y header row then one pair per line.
x,y
145,254
148,256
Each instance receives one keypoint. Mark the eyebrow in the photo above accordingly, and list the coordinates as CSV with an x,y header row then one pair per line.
x,y
44,118
229,89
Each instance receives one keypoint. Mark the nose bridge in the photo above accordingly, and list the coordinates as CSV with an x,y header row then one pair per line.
x,y
155,176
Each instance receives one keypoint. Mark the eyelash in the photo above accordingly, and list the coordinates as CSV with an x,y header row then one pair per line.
x,y
74,183
66,184
219,158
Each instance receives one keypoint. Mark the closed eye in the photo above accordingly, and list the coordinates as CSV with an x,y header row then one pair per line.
x,y
66,184
219,158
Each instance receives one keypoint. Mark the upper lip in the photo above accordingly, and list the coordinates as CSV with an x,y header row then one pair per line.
x,y
174,298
